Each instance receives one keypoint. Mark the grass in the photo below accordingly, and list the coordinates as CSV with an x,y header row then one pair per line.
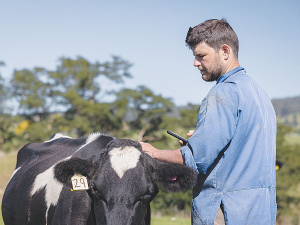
x,y
7,166
1,220
167,220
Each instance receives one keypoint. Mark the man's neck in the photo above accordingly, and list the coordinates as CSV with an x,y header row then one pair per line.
x,y
231,65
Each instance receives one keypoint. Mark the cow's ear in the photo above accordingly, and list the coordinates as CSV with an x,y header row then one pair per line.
x,y
175,177
63,171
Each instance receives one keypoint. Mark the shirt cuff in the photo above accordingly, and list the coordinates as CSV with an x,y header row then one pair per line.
x,y
188,157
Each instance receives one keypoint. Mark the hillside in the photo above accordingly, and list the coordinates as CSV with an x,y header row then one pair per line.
x,y
287,106
288,111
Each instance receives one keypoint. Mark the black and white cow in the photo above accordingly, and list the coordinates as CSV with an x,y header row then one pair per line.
x,y
122,182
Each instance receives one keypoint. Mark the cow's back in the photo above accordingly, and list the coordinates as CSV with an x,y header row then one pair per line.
x,y
31,187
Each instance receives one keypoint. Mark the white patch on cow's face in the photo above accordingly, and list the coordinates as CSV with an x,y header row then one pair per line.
x,y
16,170
52,186
124,159
58,135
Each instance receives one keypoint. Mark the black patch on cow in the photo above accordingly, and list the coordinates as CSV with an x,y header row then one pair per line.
x,y
37,208
94,147
53,135
51,212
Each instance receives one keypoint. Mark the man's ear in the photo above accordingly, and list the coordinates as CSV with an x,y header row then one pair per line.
x,y
63,171
175,177
225,51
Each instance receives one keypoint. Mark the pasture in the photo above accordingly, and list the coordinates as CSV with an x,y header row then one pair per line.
x,y
1,220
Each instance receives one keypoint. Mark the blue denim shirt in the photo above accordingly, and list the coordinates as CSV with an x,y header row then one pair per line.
x,y
233,150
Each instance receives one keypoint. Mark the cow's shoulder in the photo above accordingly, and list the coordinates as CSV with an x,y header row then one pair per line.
x,y
99,139
94,144
60,146
57,147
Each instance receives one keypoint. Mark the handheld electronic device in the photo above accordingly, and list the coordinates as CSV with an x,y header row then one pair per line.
x,y
177,136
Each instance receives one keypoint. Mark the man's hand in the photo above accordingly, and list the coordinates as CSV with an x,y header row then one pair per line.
x,y
189,134
149,149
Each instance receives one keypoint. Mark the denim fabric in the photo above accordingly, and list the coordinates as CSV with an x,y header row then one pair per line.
x,y
233,150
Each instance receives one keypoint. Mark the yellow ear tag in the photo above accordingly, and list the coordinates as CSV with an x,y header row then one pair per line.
x,y
277,167
79,183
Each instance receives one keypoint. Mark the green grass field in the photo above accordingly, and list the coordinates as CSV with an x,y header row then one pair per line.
x,y
1,220
7,166
167,220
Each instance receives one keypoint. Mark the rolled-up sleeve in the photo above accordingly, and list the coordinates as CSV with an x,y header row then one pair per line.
x,y
215,128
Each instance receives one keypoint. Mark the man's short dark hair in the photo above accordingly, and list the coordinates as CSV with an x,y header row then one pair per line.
x,y
214,33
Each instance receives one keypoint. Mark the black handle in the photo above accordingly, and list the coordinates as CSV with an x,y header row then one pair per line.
x,y
177,136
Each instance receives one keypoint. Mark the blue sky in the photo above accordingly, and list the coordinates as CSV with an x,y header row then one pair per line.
x,y
151,35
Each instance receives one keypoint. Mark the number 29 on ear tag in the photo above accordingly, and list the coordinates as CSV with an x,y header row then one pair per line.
x,y
79,183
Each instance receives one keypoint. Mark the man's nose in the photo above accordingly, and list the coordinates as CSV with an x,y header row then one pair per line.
x,y
197,63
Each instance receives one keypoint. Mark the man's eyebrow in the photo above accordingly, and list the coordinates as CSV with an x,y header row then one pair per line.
x,y
200,54
196,53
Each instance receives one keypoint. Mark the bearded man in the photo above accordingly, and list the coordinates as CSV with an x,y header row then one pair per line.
x,y
233,147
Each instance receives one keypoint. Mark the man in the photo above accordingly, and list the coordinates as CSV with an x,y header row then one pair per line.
x,y
234,144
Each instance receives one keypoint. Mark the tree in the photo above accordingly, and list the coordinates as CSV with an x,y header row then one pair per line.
x,y
78,89
33,91
73,90
189,116
3,91
82,76
9,140
143,110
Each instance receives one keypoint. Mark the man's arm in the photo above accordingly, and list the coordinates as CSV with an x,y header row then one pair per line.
x,y
169,156
216,126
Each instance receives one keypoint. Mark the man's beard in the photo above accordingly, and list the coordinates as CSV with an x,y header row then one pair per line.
x,y
214,73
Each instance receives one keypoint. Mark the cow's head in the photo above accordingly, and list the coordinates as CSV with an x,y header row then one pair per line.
x,y
123,181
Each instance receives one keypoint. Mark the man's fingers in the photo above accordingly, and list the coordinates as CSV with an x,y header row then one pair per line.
x,y
181,143
148,148
144,145
190,133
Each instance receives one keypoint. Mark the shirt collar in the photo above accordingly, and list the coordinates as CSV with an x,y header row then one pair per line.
x,y
228,74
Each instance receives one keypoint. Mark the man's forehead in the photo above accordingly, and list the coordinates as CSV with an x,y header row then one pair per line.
x,y
201,48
